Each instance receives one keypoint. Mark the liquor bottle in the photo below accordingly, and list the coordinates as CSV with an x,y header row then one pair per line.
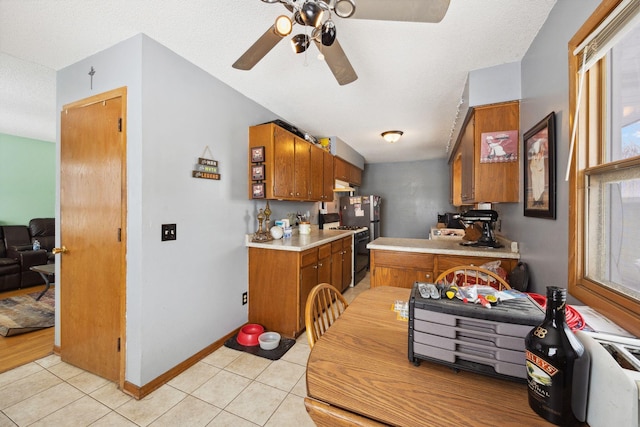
x,y
557,366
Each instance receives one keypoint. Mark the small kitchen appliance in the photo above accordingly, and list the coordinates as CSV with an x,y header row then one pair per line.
x,y
487,218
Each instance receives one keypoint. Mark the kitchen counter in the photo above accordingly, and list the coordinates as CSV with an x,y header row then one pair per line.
x,y
300,242
442,247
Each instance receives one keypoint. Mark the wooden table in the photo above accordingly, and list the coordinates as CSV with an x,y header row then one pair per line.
x,y
359,373
46,271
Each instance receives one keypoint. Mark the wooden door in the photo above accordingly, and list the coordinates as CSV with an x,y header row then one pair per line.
x,y
92,220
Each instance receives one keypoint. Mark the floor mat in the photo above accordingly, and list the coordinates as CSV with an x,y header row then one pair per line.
x,y
275,354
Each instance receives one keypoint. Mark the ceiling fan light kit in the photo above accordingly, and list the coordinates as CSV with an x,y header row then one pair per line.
x,y
317,14
283,26
392,136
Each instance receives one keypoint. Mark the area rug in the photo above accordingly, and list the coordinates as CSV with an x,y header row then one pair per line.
x,y
275,354
22,314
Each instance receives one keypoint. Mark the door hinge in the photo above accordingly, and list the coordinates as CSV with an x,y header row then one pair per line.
x,y
120,124
118,344
119,234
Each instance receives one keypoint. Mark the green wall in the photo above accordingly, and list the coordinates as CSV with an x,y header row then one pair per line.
x,y
27,179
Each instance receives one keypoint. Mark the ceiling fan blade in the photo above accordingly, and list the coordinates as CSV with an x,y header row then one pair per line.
x,y
338,62
258,50
402,10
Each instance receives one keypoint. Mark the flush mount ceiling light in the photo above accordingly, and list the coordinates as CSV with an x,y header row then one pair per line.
x,y
318,14
392,135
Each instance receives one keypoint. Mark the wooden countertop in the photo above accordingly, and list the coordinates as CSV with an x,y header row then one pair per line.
x,y
440,247
300,242
359,369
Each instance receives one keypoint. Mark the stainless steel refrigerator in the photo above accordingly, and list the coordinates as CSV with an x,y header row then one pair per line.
x,y
363,211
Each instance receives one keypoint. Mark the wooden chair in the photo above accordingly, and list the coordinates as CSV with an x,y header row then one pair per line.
x,y
324,305
463,275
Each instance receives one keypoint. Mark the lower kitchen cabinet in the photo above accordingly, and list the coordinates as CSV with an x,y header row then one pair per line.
x,y
341,263
402,269
280,282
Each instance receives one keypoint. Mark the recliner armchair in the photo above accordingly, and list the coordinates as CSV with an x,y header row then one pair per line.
x,y
20,247
44,231
9,268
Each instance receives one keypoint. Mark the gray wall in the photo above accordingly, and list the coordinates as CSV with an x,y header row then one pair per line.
x,y
184,295
413,193
545,88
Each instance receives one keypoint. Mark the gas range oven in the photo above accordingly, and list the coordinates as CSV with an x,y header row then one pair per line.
x,y
360,239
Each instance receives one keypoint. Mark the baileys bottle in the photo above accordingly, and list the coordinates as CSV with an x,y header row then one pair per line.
x,y
557,366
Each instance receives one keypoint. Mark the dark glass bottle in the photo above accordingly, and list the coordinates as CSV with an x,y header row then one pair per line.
x,y
557,366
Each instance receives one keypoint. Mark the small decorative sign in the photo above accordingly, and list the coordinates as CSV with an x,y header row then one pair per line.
x,y
257,154
206,168
205,175
257,172
258,190
499,147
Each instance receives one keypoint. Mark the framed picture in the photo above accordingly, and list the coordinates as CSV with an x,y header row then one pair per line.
x,y
258,190
540,169
257,172
499,147
257,154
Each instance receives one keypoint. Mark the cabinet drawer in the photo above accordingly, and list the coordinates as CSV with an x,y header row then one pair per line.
x,y
308,257
324,251
404,259
336,246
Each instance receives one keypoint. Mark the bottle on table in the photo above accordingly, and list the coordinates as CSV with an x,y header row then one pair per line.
x,y
557,366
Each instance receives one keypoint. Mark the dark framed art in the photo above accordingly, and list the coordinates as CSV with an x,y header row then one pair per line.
x,y
258,190
257,154
540,169
257,172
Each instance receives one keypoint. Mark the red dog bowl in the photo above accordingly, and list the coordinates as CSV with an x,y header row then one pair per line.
x,y
249,333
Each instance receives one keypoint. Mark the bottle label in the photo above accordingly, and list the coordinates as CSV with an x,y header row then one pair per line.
x,y
540,374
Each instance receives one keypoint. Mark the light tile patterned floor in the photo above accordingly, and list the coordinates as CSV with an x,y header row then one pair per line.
x,y
227,388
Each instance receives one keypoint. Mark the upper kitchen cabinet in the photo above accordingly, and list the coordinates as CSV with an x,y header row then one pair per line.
x,y
345,171
293,169
490,174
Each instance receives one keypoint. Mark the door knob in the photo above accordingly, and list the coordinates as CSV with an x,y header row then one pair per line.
x,y
61,250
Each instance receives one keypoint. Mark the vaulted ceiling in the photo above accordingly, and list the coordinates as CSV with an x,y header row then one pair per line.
x,y
411,75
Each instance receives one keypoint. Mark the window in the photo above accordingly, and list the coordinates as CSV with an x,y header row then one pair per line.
x,y
604,208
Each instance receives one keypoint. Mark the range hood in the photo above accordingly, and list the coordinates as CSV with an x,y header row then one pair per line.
x,y
342,187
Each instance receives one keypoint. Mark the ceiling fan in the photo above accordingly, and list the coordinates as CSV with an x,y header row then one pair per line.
x,y
317,15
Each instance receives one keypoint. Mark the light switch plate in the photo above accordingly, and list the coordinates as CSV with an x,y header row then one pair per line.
x,y
168,232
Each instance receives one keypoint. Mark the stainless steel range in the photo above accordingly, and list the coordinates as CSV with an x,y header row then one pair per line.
x,y
360,240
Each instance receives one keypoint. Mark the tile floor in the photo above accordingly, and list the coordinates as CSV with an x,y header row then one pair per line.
x,y
226,388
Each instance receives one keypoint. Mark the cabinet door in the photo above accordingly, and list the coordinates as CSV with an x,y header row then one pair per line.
x,y
336,264
327,176
347,262
400,277
467,166
308,279
302,161
317,173
341,169
355,176
283,164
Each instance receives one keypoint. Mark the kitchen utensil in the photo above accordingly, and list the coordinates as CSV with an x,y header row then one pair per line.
x,y
249,334
269,340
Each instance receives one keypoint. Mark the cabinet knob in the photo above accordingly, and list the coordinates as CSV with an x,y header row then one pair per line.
x,y
319,264
427,275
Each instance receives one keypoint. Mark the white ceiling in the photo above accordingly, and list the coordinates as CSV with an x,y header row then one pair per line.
x,y
411,75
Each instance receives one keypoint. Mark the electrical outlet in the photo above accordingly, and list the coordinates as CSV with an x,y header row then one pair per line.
x,y
168,232
244,298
